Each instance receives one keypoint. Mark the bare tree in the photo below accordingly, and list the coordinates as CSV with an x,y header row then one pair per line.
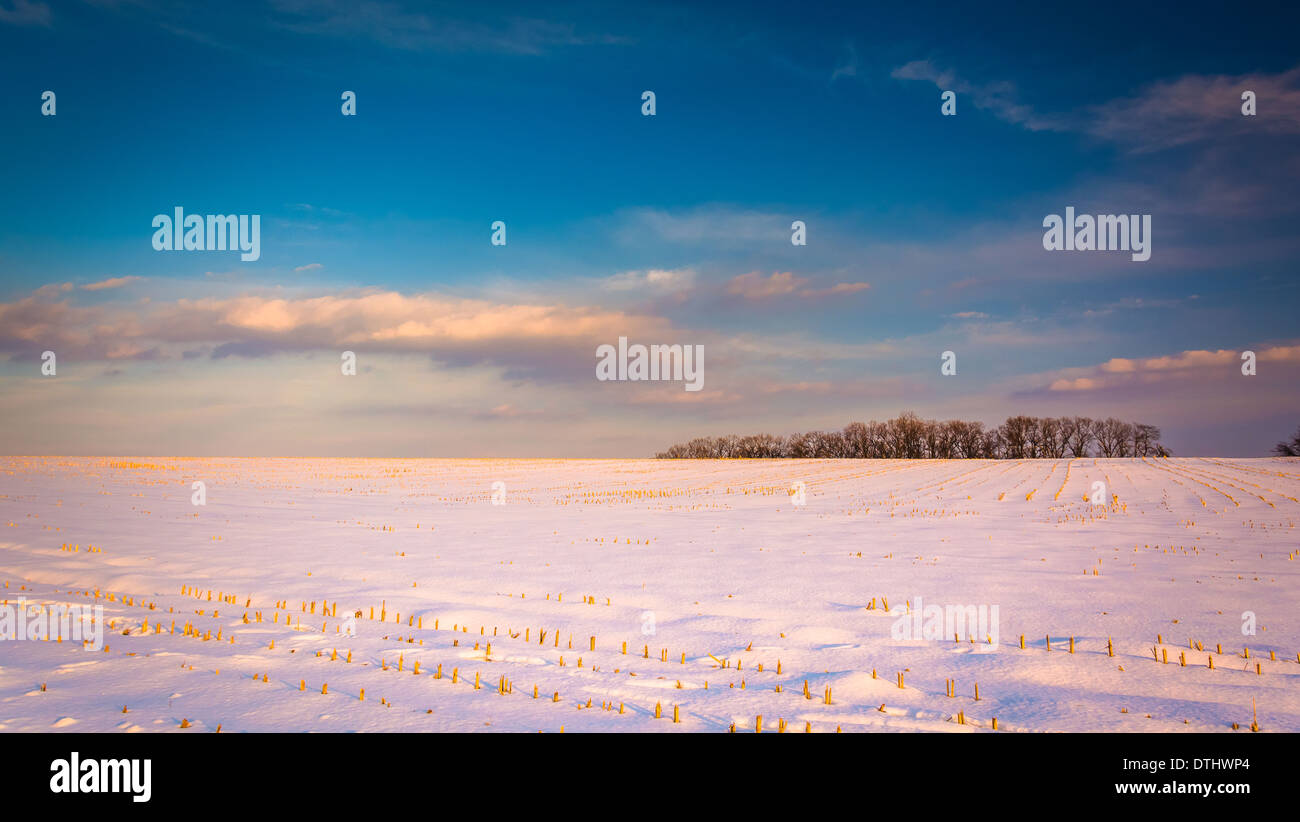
x,y
1114,437
828,445
907,436
857,440
1079,436
1123,439
1052,437
1015,435
1105,433
965,437
1034,438
1289,449
949,439
992,445
761,446
930,445
799,446
1145,438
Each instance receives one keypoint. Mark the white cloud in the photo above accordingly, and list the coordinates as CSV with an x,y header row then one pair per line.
x,y
656,279
112,282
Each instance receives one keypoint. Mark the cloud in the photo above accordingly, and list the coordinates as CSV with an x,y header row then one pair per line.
x,y
309,267
847,66
1192,108
26,13
655,279
970,315
526,338
517,372
1119,372
326,211
1198,108
998,98
754,286
508,411
1076,384
716,226
52,289
392,25
112,282
671,394
835,290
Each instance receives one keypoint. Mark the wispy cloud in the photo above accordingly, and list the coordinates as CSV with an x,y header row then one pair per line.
x,y
1000,98
713,225
847,66
396,25
1198,108
111,282
754,286
655,279
1192,108
836,290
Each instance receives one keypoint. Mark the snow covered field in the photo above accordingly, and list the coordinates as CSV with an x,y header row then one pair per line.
x,y
234,613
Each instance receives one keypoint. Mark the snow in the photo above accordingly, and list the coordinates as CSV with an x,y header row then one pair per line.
x,y
710,559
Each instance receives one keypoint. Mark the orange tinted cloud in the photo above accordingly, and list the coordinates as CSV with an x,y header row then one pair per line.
x,y
466,329
112,282
1121,371
754,286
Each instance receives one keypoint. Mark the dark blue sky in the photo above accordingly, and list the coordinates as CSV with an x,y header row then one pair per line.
x,y
929,225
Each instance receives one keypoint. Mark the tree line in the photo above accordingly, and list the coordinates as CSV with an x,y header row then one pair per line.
x,y
907,436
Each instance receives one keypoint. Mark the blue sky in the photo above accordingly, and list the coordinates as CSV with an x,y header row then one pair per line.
x,y
924,230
